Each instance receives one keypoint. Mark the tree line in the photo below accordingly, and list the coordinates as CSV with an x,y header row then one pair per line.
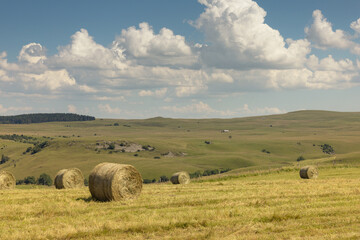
x,y
44,117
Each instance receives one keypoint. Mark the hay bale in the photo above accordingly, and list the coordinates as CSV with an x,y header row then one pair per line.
x,y
309,172
180,178
7,180
69,178
114,182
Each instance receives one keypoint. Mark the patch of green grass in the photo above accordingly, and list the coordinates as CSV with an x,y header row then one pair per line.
x,y
291,135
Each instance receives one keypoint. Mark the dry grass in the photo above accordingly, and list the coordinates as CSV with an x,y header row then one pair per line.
x,y
69,178
115,182
272,206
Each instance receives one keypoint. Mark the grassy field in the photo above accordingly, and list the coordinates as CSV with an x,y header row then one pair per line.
x,y
285,137
275,205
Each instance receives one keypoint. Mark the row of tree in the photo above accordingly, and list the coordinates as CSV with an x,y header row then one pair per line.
x,y
196,174
44,117
43,179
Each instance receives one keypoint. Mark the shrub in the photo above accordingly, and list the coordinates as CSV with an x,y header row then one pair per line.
x,y
326,148
39,146
265,151
86,182
300,158
44,179
195,174
4,159
116,124
19,182
30,180
164,179
147,181
111,146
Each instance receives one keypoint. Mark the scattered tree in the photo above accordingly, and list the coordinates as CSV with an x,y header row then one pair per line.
x,y
44,179
300,158
30,180
326,148
164,179
4,159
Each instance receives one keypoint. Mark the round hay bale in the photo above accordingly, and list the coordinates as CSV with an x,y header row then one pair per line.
x,y
309,172
180,178
7,180
114,182
69,178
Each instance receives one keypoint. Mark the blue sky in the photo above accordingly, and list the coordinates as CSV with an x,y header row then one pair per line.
x,y
183,59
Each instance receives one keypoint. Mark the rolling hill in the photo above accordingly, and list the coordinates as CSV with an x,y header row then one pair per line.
x,y
252,143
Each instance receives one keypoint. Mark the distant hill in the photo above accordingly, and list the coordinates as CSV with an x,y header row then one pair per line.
x,y
44,117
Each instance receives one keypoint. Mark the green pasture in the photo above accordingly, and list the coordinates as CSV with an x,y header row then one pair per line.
x,y
285,137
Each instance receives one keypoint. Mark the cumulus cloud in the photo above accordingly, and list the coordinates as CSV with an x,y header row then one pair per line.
x,y
5,77
199,108
323,36
32,53
240,39
110,98
156,93
356,25
306,79
83,51
49,79
242,53
260,111
222,77
5,65
204,110
71,108
146,47
108,109
87,89
13,110
192,84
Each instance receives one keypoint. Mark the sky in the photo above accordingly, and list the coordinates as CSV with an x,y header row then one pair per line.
x,y
180,59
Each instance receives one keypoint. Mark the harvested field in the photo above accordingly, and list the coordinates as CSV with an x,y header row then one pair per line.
x,y
69,178
273,206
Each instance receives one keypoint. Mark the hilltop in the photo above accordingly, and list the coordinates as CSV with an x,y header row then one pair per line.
x,y
44,117
168,145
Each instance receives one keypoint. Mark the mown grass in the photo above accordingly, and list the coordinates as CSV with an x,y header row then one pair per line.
x,y
275,205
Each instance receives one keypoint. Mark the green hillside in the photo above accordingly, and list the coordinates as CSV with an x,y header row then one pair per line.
x,y
252,143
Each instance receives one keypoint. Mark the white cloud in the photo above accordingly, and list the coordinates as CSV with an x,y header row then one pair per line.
x,y
32,53
87,89
321,33
110,98
13,110
199,108
356,25
85,52
156,93
240,39
164,48
330,64
191,84
4,76
49,79
222,77
71,108
260,111
5,65
304,78
108,109
204,110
